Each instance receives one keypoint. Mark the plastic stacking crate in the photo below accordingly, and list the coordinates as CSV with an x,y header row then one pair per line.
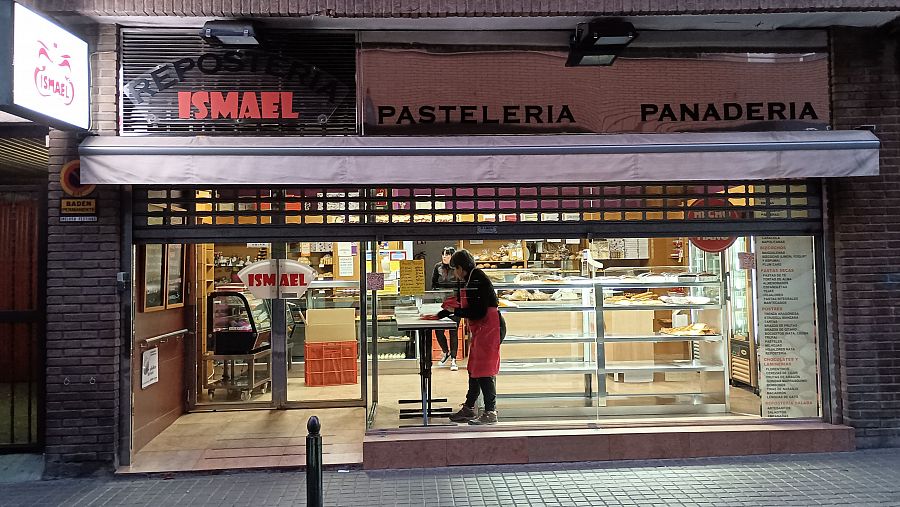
x,y
331,363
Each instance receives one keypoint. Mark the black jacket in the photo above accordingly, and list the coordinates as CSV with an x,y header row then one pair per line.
x,y
480,295
442,277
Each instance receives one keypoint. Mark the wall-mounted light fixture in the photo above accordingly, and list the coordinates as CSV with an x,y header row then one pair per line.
x,y
599,42
230,33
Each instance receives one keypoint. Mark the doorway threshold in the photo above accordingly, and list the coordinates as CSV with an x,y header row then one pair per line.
x,y
253,439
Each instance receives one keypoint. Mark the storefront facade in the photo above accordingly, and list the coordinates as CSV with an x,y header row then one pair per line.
x,y
454,173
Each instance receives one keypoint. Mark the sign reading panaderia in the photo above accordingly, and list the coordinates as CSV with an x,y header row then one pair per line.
x,y
177,83
727,111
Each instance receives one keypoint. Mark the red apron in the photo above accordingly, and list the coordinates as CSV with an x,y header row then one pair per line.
x,y
484,341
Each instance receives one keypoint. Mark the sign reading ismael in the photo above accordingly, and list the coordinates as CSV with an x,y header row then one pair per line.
x,y
77,207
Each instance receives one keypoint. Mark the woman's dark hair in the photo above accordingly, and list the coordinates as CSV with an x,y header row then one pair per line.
x,y
448,250
463,259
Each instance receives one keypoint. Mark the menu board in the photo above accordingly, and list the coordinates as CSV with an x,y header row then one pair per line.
x,y
785,300
412,277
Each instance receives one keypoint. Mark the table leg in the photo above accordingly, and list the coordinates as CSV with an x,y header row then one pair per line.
x,y
425,372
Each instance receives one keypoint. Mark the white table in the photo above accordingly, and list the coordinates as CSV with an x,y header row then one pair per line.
x,y
411,321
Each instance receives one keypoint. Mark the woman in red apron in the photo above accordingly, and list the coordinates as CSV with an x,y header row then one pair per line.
x,y
477,303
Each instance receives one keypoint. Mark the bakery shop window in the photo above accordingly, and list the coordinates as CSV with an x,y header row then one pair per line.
x,y
648,326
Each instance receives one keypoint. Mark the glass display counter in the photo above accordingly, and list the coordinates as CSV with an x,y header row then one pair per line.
x,y
644,340
238,356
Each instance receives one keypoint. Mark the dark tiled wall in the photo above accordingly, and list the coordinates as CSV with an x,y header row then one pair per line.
x,y
83,304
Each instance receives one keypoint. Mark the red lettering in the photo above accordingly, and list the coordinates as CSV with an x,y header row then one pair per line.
x,y
200,101
269,104
287,105
285,281
294,279
184,105
223,105
269,279
249,107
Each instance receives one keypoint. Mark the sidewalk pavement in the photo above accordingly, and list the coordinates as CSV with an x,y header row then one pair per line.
x,y
860,478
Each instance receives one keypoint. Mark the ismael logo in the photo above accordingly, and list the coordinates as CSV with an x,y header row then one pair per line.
x,y
273,76
53,74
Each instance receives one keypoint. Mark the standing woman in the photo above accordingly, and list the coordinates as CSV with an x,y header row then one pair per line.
x,y
478,305
443,278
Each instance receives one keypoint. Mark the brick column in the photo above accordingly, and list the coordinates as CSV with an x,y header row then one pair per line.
x,y
83,304
866,214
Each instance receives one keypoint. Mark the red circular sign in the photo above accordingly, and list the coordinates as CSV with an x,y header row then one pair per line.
x,y
70,180
715,209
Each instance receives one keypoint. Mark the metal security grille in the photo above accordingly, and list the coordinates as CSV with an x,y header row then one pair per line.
x,y
444,210
22,315
176,83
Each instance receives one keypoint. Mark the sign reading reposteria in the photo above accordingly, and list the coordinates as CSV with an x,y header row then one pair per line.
x,y
235,86
44,73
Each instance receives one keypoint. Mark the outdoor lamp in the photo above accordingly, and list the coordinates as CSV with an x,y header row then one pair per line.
x,y
230,33
599,42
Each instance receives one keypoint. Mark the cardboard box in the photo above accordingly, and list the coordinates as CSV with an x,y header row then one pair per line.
x,y
331,325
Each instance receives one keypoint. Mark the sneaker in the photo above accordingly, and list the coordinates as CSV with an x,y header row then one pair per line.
x,y
464,414
453,366
486,418
444,359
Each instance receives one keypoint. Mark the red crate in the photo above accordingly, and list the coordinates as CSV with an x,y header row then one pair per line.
x,y
330,363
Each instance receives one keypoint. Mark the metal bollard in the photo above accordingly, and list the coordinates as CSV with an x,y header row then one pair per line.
x,y
314,489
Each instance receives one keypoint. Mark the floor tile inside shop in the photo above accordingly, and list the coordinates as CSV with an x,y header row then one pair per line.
x,y
243,439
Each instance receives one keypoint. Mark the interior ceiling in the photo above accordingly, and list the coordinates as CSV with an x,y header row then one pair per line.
x,y
22,158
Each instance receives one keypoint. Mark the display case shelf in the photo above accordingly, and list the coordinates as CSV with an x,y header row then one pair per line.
x,y
620,348
569,284
549,339
656,285
529,368
546,308
661,338
656,394
660,366
662,306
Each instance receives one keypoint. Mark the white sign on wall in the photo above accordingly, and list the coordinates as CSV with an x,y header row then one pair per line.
x,y
50,69
787,323
149,367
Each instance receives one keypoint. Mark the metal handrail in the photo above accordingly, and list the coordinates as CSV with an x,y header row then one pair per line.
x,y
163,338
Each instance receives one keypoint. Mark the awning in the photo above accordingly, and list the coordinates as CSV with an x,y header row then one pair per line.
x,y
477,159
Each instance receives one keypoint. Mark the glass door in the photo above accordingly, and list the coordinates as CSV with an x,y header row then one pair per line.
x,y
326,358
261,352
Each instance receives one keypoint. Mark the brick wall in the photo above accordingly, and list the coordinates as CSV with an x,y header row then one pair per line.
x,y
866,215
83,304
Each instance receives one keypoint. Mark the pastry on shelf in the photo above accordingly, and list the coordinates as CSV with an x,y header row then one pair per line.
x,y
526,277
643,298
565,295
540,296
698,329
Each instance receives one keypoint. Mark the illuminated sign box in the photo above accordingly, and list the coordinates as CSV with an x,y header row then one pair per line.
x,y
44,74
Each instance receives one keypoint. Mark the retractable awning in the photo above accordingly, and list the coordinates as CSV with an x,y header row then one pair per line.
x,y
477,159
